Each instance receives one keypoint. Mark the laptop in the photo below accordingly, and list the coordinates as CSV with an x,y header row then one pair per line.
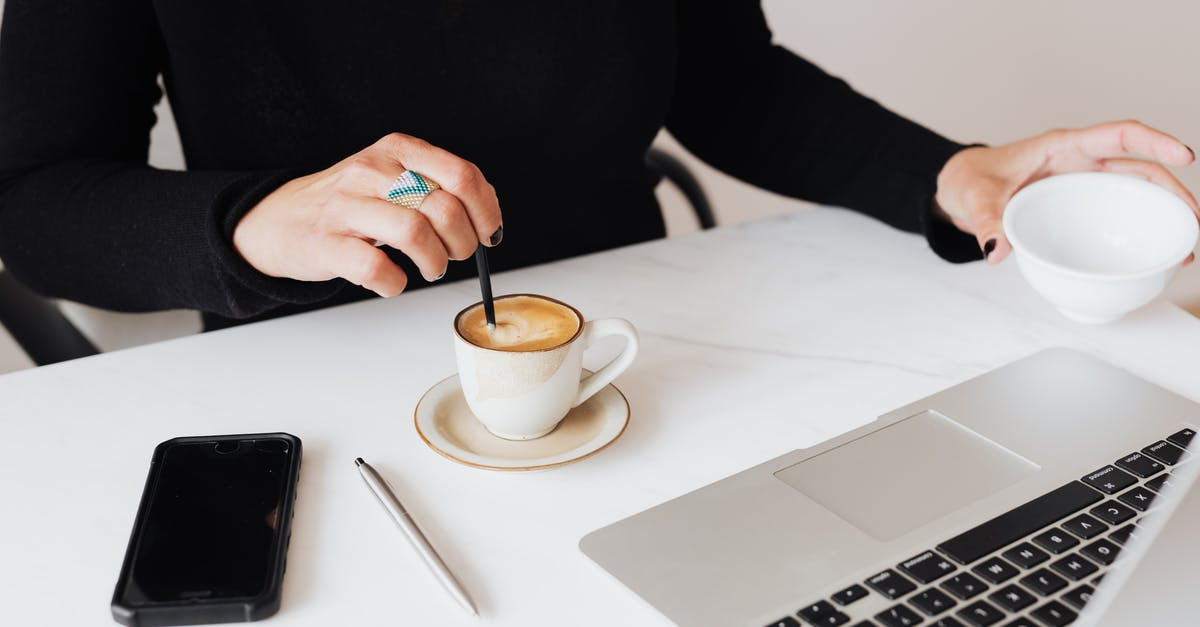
x,y
1053,490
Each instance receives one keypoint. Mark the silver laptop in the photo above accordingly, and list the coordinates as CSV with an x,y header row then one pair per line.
x,y
1003,500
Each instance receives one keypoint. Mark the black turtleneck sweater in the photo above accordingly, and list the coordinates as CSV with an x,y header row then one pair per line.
x,y
555,101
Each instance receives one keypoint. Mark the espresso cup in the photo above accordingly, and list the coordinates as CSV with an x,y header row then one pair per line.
x,y
522,378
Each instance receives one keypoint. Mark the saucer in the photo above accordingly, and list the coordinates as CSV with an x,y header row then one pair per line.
x,y
446,424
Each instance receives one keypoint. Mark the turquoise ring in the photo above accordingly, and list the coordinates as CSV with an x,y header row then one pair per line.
x,y
410,188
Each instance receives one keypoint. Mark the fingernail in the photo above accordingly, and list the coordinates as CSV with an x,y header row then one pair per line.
x,y
1191,151
439,277
494,240
988,247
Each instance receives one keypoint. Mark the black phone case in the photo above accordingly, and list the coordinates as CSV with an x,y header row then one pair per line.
x,y
225,610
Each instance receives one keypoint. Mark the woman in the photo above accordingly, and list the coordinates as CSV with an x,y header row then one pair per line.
x,y
553,104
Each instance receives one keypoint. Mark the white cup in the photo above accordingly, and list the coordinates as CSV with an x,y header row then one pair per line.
x,y
522,395
1098,245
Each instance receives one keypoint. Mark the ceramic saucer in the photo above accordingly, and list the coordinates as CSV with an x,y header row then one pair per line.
x,y
447,425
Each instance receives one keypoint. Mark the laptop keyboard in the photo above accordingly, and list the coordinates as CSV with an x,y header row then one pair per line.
x,y
1036,564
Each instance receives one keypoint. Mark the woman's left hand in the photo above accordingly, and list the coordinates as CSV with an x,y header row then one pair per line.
x,y
976,183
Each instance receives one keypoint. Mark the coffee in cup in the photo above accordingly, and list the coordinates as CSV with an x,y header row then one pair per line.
x,y
523,323
521,378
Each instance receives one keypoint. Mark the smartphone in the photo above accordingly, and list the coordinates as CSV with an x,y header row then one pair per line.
x,y
209,544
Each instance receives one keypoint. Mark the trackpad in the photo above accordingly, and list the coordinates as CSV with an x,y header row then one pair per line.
x,y
912,472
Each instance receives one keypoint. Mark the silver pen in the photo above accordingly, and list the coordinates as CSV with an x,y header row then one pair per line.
x,y
382,491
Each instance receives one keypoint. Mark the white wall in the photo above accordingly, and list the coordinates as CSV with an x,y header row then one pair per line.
x,y
974,70
12,358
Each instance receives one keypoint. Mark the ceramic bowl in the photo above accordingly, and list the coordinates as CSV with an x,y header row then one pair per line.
x,y
1098,245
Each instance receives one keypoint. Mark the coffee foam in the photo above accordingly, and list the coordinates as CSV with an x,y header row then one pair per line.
x,y
523,323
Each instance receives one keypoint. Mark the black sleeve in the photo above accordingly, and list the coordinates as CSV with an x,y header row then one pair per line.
x,y
764,115
82,216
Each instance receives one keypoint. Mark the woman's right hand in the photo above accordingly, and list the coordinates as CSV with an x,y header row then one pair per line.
x,y
326,225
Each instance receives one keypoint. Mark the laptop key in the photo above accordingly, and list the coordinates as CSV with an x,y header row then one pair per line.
x,y
1085,526
1121,536
1113,512
1138,498
833,620
1110,480
1158,483
786,621
947,621
1018,522
1074,567
864,623
1164,452
1139,465
1012,598
1101,551
898,616
891,584
981,613
1054,613
927,567
1021,622
823,613
1182,438
932,601
1026,555
1055,540
1079,596
995,570
1044,582
964,586
850,595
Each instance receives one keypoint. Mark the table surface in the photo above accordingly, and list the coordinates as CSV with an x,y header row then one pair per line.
x,y
756,340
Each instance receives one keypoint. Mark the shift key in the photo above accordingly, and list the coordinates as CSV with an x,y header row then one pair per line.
x,y
1019,522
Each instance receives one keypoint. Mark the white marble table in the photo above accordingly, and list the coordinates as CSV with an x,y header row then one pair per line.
x,y
757,340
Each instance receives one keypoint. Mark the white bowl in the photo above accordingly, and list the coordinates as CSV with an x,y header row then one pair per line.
x,y
1098,245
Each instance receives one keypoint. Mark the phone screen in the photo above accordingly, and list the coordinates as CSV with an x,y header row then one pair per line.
x,y
210,521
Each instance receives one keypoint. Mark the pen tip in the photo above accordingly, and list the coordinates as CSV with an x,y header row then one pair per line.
x,y
358,461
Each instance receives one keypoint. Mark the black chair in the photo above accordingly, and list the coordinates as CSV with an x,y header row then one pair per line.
x,y
48,337
37,325
663,165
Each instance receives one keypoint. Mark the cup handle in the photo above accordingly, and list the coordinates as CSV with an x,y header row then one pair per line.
x,y
595,330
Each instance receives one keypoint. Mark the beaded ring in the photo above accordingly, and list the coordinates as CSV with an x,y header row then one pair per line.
x,y
410,188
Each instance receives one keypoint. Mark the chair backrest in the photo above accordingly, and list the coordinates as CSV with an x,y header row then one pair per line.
x,y
665,165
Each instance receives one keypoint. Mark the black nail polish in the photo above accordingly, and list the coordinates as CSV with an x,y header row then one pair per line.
x,y
494,240
988,247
